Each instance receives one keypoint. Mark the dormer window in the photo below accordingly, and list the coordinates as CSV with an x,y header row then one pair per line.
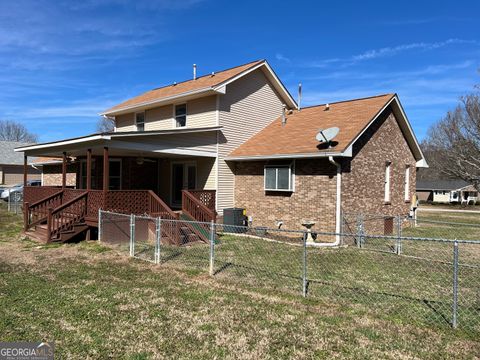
x,y
140,121
181,115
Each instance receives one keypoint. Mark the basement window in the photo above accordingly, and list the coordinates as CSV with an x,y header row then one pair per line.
x,y
278,178
140,121
181,115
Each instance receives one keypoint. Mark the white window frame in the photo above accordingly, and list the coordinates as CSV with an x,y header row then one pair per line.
x,y
120,176
388,166
407,183
175,124
144,118
291,177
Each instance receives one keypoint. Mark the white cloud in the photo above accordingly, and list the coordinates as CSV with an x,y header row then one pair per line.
x,y
70,33
383,52
388,51
281,57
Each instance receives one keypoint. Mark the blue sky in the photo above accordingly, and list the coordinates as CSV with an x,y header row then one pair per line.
x,y
62,62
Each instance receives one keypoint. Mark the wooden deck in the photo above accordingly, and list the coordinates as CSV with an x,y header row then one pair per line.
x,y
57,212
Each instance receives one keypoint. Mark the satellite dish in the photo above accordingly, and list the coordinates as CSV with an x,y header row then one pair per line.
x,y
327,135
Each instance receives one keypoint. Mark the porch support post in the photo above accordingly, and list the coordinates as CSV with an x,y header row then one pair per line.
x,y
89,169
25,165
105,176
64,170
26,214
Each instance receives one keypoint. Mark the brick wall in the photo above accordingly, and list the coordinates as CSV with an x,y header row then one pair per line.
x,y
363,176
52,175
313,199
363,179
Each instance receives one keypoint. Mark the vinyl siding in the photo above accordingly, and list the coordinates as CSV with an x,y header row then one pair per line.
x,y
250,104
201,141
200,113
159,118
13,174
206,173
125,122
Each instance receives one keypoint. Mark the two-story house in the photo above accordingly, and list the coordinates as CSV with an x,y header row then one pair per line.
x,y
231,138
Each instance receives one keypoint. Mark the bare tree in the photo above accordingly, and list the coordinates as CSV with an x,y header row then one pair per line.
x,y
105,124
455,140
14,131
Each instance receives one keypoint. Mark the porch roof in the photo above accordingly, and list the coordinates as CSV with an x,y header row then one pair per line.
x,y
159,143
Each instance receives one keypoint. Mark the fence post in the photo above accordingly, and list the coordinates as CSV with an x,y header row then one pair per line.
x,y
455,285
212,247
158,237
9,200
398,245
99,225
304,274
360,231
26,216
132,235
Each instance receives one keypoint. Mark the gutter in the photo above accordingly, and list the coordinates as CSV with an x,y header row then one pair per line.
x,y
338,208
288,156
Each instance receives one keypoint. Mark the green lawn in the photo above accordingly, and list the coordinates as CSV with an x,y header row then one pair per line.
x,y
97,302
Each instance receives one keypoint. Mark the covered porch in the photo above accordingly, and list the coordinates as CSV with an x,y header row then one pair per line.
x,y
122,176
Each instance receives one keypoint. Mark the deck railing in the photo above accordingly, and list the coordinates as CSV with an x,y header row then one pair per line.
x,y
33,194
66,205
38,211
206,197
196,209
66,216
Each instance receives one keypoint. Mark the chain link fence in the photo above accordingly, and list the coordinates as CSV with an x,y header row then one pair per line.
x,y
14,202
395,276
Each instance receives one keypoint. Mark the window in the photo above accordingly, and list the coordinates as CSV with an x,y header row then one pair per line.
x,y
115,174
278,178
83,174
387,182
181,115
407,183
140,121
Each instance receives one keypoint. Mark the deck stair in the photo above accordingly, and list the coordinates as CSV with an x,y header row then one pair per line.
x,y
191,231
40,231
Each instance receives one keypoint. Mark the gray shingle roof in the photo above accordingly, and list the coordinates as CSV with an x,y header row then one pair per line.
x,y
7,154
441,184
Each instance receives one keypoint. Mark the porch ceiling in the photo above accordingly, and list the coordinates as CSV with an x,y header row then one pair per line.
x,y
151,144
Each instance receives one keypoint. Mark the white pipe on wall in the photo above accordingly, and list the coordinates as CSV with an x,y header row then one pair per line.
x,y
338,207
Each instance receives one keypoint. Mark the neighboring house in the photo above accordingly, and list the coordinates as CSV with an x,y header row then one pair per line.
x,y
11,164
219,141
446,191
51,171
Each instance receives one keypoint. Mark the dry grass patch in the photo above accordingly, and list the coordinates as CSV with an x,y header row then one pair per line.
x,y
100,304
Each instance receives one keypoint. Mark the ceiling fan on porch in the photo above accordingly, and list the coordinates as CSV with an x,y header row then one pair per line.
x,y
141,160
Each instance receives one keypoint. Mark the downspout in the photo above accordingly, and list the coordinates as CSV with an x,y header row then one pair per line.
x,y
338,207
